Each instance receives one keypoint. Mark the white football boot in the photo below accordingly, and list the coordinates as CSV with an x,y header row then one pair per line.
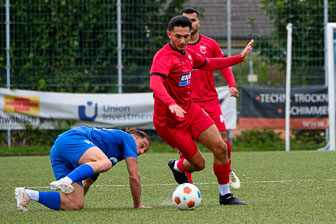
x,y
234,181
63,186
22,199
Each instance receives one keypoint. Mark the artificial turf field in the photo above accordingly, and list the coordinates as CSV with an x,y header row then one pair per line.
x,y
279,187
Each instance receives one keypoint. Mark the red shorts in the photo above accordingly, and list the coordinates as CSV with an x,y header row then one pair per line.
x,y
182,139
214,111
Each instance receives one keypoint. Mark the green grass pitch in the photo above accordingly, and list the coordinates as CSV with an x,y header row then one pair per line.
x,y
279,187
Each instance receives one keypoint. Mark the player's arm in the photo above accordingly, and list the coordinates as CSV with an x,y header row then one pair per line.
x,y
229,78
220,63
157,86
226,72
135,182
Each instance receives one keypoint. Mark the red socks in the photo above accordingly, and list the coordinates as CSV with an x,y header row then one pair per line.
x,y
187,173
180,165
222,172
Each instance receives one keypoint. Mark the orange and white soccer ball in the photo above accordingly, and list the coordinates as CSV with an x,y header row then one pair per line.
x,y
186,196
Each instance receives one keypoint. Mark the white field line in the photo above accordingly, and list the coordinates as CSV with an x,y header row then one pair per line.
x,y
174,184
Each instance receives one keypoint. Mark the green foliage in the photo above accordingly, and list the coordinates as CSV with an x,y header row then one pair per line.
x,y
258,140
268,140
145,33
309,137
35,141
71,46
308,37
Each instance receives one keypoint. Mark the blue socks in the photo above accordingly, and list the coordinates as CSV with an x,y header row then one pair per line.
x,y
82,172
51,199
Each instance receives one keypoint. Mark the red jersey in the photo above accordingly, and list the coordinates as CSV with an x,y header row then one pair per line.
x,y
176,68
203,83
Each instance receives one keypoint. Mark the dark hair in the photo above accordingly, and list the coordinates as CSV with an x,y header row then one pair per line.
x,y
138,133
190,11
181,21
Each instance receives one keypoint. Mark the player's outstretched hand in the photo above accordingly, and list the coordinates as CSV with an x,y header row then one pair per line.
x,y
141,206
234,92
247,49
179,112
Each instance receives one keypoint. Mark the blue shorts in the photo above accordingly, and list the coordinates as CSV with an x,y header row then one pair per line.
x,y
66,152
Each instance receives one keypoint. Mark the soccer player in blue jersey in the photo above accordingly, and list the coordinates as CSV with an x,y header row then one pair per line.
x,y
78,156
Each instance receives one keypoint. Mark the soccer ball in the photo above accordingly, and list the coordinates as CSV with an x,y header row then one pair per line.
x,y
187,196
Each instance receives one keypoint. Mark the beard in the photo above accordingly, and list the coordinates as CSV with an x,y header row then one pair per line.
x,y
193,32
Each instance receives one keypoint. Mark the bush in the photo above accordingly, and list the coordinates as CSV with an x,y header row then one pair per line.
x,y
258,140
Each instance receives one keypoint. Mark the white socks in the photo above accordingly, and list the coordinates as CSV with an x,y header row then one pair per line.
x,y
32,195
224,189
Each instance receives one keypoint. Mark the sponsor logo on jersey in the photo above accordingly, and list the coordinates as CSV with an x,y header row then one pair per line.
x,y
203,49
185,79
22,104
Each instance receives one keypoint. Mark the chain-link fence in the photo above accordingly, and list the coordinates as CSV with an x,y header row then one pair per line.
x,y
72,46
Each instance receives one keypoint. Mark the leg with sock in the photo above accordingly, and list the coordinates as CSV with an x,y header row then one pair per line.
x,y
178,171
234,180
50,199
82,172
187,173
222,172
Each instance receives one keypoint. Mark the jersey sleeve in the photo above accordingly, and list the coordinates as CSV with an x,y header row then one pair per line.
x,y
226,72
220,63
160,65
160,91
130,149
228,76
198,60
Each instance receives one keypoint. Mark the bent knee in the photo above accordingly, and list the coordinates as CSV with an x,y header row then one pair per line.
x,y
199,166
74,206
105,165
220,148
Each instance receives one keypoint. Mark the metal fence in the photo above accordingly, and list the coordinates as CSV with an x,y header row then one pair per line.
x,y
72,46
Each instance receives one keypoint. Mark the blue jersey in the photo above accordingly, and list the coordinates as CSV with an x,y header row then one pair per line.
x,y
116,145
71,145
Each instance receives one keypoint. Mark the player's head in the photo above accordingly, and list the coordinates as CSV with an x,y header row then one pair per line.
x,y
193,15
142,140
179,29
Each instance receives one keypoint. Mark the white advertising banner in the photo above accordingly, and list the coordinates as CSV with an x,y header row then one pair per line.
x,y
42,109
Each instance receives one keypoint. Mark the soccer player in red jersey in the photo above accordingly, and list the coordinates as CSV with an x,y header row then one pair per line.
x,y
177,119
203,86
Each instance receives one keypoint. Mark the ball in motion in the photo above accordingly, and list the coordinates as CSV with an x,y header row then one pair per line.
x,y
187,196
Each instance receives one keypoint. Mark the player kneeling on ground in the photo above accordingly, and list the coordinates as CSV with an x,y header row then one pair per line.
x,y
78,156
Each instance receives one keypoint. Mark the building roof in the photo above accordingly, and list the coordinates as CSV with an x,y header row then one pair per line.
x,y
247,19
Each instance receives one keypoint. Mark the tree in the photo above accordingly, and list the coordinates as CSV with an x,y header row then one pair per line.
x,y
71,45
308,37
